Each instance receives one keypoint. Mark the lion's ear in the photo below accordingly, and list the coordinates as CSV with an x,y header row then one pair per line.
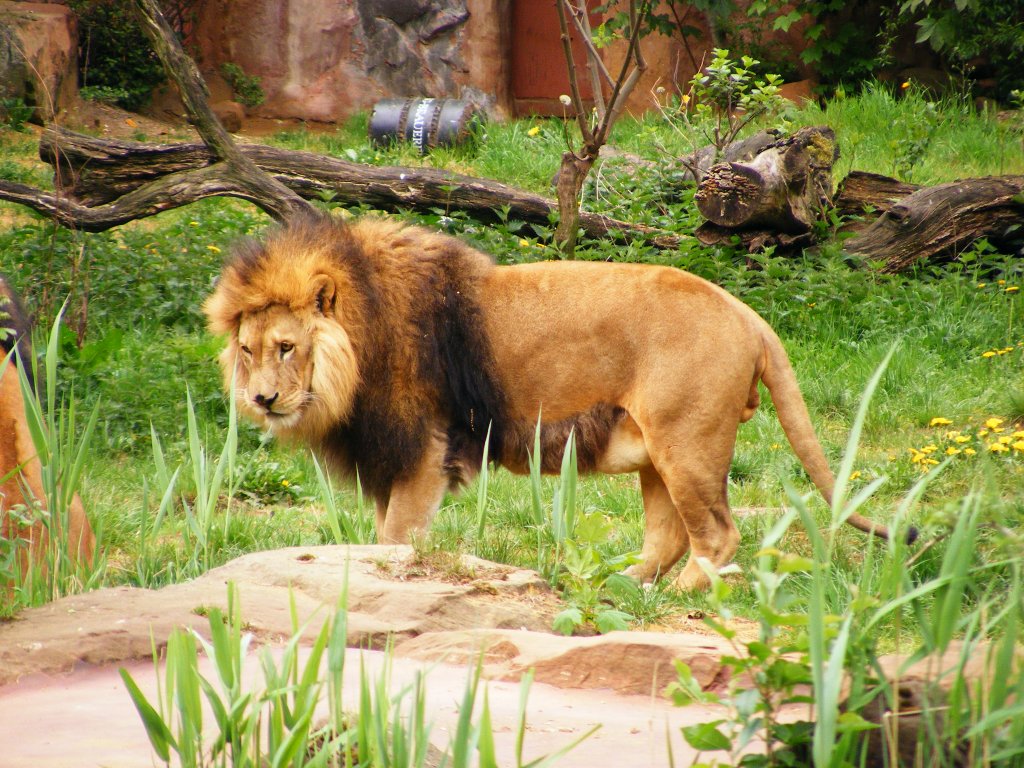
x,y
323,293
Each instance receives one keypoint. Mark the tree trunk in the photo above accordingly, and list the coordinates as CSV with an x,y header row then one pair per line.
x,y
784,188
110,182
266,192
571,175
939,223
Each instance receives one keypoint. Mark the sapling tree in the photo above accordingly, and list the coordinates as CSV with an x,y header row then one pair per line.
x,y
595,125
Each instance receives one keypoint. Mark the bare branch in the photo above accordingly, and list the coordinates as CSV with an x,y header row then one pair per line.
x,y
574,88
273,197
624,84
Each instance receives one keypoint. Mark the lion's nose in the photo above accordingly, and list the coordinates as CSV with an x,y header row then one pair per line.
x,y
266,402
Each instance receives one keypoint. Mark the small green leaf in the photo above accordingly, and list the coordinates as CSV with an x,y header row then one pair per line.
x,y
567,621
706,737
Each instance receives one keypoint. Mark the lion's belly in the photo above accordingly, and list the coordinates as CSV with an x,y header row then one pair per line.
x,y
626,451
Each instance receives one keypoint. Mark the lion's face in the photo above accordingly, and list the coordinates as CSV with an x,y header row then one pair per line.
x,y
274,367
294,371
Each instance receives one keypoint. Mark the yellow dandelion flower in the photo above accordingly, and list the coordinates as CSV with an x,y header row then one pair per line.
x,y
982,285
524,243
953,435
994,422
1019,433
930,448
988,354
685,99
1018,446
939,421
533,131
905,84
969,451
1012,288
929,463
1005,439
213,249
285,483
997,448
855,474
962,439
982,432
193,223
951,451
1001,282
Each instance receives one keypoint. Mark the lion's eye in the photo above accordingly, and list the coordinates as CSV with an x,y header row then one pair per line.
x,y
246,351
286,347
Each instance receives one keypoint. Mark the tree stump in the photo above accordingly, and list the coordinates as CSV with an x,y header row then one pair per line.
x,y
784,188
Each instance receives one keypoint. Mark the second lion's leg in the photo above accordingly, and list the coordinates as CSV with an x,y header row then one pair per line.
x,y
415,498
665,537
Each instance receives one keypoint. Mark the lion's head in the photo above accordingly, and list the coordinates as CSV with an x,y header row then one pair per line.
x,y
285,306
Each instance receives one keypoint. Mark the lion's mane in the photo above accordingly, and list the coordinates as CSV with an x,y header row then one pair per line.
x,y
402,348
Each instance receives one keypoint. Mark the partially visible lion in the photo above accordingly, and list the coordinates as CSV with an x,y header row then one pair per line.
x,y
393,349
22,496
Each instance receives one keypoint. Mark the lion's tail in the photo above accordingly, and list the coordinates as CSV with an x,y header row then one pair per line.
x,y
780,380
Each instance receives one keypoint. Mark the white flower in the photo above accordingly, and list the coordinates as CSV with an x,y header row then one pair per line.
x,y
565,100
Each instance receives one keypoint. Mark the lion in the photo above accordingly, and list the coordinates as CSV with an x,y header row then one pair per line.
x,y
22,495
394,352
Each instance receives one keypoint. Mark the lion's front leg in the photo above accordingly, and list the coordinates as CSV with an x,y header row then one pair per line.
x,y
415,498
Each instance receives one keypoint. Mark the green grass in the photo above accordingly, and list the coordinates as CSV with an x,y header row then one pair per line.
x,y
134,343
133,346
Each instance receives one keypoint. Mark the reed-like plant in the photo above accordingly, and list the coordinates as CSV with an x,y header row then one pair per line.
x,y
272,723
61,443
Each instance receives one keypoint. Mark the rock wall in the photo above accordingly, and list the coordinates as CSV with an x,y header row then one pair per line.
x,y
325,61
38,56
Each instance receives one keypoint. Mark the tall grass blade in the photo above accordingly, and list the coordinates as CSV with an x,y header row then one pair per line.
x,y
840,510
482,491
159,734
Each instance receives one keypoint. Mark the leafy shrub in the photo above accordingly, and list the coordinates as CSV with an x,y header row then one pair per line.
x,y
105,94
15,112
247,88
114,53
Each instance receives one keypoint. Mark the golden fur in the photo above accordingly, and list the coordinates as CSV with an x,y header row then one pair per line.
x,y
393,350
21,485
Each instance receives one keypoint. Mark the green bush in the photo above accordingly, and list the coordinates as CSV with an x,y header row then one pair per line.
x,y
247,88
114,53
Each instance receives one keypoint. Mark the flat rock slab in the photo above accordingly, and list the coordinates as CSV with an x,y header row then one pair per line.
x,y
62,702
391,593
86,718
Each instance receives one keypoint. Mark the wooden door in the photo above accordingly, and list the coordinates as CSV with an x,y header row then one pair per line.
x,y
539,74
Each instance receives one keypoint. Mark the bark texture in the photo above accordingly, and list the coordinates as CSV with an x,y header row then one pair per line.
x,y
103,183
937,224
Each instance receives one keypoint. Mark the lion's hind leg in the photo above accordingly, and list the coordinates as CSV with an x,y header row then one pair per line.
x,y
696,476
665,536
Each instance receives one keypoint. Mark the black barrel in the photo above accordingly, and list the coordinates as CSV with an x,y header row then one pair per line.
x,y
427,123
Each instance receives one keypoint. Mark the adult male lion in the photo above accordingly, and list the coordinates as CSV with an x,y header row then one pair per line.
x,y
22,497
394,348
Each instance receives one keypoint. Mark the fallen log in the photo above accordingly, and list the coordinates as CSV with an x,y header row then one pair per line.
x,y
937,224
104,182
862,192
